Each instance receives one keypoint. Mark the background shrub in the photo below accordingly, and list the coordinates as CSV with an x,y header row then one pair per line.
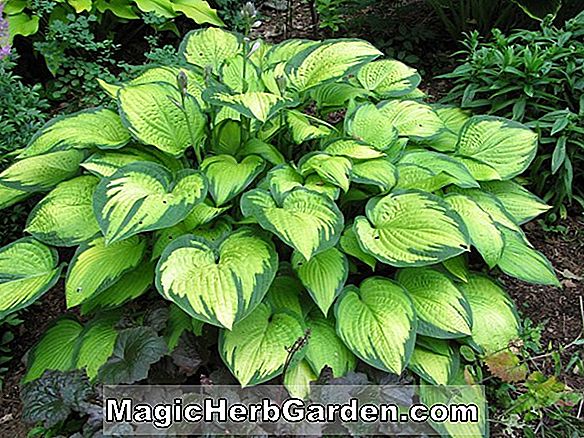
x,y
536,77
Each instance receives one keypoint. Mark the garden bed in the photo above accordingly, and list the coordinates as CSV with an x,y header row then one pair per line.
x,y
559,310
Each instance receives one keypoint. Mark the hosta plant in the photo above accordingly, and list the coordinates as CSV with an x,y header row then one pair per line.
x,y
301,197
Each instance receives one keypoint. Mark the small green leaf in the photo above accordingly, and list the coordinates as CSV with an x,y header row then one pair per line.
x,y
324,276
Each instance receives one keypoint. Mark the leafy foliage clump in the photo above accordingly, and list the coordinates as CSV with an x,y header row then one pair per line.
x,y
302,199
21,109
534,76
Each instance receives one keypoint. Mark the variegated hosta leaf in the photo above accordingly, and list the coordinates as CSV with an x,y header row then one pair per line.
x,y
162,238
288,49
507,147
442,309
195,80
325,348
366,123
129,287
306,128
203,213
232,73
286,292
411,118
520,260
462,395
256,349
352,149
227,177
297,379
152,116
217,282
458,267
441,163
434,361
307,221
10,196
95,267
42,172
484,233
105,164
495,320
28,269
379,172
378,323
334,170
490,204
65,216
262,149
254,104
283,179
335,95
324,276
55,350
350,245
521,204
214,231
227,137
388,78
96,343
412,176
210,47
411,228
97,127
454,119
144,197
327,61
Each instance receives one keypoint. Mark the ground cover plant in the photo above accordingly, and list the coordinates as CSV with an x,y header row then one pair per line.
x,y
301,194
537,77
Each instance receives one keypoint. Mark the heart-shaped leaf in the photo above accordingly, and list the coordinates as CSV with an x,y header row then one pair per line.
x,y
257,348
227,177
506,146
324,275
42,172
144,197
388,78
411,118
377,322
411,228
210,47
442,309
307,221
217,282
